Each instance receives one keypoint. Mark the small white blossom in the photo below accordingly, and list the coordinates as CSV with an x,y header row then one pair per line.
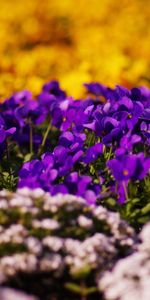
x,y
53,243
49,224
84,222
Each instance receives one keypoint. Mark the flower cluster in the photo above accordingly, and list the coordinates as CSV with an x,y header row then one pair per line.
x,y
130,277
11,294
49,240
90,147
73,43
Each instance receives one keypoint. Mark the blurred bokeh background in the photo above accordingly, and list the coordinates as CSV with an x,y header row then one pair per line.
x,y
74,41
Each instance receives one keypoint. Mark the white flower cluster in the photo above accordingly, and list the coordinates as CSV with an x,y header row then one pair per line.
x,y
20,262
48,224
130,278
94,252
58,235
119,228
11,294
15,233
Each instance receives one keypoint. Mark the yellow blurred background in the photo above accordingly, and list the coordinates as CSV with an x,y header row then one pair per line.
x,y
74,41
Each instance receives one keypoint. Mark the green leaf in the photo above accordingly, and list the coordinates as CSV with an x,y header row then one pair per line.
x,y
135,213
135,200
111,201
91,290
143,220
73,287
83,272
146,209
28,157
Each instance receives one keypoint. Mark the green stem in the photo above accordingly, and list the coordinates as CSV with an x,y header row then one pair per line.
x,y
116,187
125,190
44,139
31,136
109,154
8,157
83,291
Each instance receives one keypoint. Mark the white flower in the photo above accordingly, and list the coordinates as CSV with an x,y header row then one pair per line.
x,y
49,224
84,222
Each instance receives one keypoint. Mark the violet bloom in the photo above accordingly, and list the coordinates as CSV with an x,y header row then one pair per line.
x,y
30,110
122,167
141,94
122,192
18,99
81,186
53,88
126,167
4,133
63,114
49,101
9,105
70,114
32,168
145,128
142,166
127,142
84,115
59,188
92,153
60,154
39,173
128,112
107,127
104,124
96,88
63,160
122,91
72,141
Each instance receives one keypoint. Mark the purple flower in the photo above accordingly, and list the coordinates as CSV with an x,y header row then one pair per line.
x,y
60,154
48,160
53,88
127,142
126,167
141,94
63,114
142,166
104,124
38,173
107,127
4,133
93,152
59,188
10,105
32,169
122,192
66,167
96,89
145,128
122,91
72,141
30,110
122,167
128,112
82,186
